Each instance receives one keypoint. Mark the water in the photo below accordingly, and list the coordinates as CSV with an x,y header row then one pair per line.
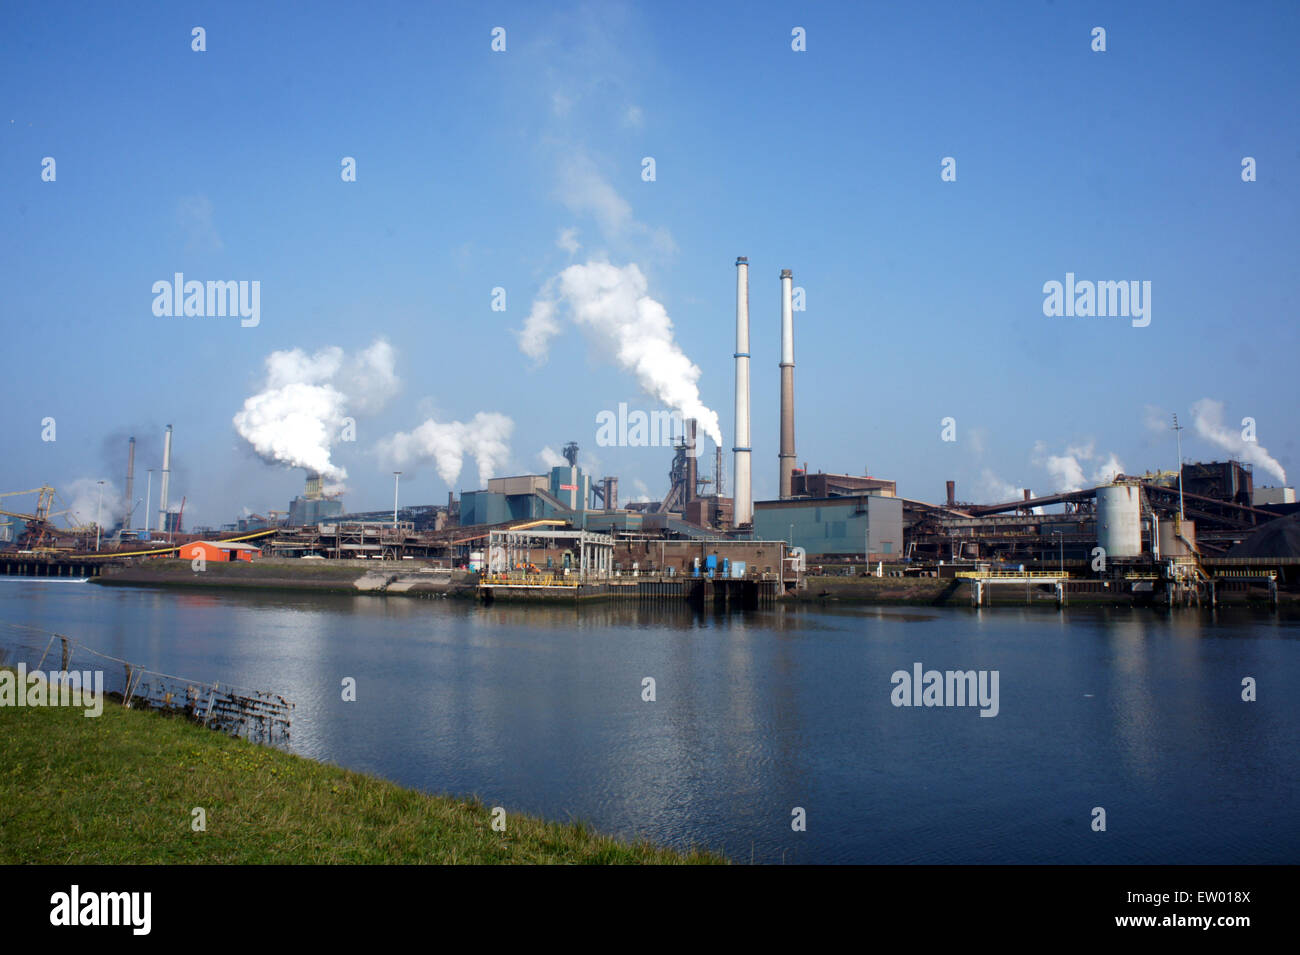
x,y
540,711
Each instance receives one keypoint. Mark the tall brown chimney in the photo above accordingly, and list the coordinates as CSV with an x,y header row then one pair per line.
x,y
787,386
952,493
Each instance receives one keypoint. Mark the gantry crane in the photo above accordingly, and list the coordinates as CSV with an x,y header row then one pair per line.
x,y
40,525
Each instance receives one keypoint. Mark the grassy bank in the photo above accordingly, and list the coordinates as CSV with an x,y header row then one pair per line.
x,y
121,788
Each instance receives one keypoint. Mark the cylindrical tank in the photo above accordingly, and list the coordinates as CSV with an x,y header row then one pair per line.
x,y
1119,520
1177,538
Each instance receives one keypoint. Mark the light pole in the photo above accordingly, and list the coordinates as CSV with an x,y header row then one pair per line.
x,y
397,476
148,497
1179,432
99,511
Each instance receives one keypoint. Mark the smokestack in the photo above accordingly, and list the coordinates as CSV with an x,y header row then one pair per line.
x,y
717,472
691,452
130,483
166,477
744,505
787,385
1027,495
611,493
952,493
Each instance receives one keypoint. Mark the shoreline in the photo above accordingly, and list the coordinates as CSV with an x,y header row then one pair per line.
x,y
360,577
123,789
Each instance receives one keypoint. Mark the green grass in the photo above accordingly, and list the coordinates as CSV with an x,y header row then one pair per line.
x,y
120,789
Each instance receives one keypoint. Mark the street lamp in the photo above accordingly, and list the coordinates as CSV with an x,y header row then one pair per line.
x,y
99,511
397,476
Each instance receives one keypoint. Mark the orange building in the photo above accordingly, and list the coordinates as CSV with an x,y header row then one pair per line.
x,y
219,551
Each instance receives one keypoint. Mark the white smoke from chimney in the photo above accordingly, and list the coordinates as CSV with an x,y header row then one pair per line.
x,y
550,458
300,411
1207,417
1067,469
612,308
448,444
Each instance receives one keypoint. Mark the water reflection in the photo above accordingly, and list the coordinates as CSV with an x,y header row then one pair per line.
x,y
541,710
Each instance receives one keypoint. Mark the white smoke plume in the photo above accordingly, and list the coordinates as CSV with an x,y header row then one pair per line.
x,y
1207,417
611,306
300,411
1067,469
447,445
81,498
995,490
550,458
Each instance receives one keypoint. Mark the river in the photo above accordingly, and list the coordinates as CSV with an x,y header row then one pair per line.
x,y
541,710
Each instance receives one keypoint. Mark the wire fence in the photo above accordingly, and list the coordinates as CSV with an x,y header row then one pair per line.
x,y
256,715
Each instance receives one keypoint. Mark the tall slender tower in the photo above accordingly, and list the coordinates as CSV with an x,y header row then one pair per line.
x,y
166,478
130,484
787,385
744,501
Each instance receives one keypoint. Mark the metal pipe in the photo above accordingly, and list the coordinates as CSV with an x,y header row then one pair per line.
x,y
787,386
743,511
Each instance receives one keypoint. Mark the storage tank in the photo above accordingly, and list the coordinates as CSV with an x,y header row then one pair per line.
x,y
1177,538
1119,520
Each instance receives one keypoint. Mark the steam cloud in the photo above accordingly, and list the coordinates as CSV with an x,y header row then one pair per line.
x,y
447,445
299,412
1067,469
1207,417
611,306
83,499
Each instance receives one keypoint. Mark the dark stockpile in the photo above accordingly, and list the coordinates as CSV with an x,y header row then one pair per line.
x,y
1279,538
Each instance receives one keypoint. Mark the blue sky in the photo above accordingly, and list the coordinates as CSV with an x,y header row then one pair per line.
x,y
924,298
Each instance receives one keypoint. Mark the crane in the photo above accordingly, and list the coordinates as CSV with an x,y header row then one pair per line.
x,y
41,523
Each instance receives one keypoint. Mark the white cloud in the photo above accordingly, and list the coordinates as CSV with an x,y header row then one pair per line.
x,y
568,240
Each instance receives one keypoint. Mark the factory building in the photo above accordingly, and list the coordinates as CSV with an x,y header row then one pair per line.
x,y
803,484
1272,495
870,524
314,505
563,493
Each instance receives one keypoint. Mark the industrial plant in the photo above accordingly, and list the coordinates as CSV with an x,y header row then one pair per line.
x,y
1198,533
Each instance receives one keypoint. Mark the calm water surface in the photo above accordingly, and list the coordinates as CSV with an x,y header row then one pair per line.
x,y
540,710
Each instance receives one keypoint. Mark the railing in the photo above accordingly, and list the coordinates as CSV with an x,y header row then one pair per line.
x,y
529,580
1017,574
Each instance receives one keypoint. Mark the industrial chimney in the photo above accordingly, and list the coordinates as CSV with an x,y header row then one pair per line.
x,y
787,385
166,476
692,452
130,484
952,493
744,504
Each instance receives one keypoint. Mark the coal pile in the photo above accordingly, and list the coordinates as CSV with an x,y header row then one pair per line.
x,y
1279,538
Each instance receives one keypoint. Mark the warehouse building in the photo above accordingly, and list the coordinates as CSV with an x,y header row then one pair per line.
x,y
871,524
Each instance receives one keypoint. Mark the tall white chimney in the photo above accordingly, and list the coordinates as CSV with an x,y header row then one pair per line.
x,y
166,475
787,385
743,512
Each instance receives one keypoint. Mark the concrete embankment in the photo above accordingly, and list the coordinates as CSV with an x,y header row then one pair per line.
x,y
405,578
957,592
